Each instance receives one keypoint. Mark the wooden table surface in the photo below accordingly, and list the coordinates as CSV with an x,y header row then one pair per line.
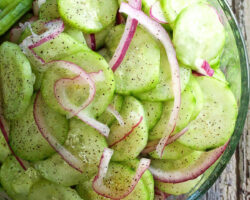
x,y
234,183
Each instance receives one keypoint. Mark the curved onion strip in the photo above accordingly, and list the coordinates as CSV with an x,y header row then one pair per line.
x,y
120,19
92,42
102,128
44,130
191,171
128,133
4,129
97,76
203,67
81,78
116,114
54,27
151,146
98,184
77,111
126,39
156,13
161,34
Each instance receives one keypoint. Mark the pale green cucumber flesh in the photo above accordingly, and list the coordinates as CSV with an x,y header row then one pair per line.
x,y
215,124
140,68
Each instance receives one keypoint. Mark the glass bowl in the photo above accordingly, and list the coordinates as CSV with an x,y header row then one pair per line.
x,y
234,64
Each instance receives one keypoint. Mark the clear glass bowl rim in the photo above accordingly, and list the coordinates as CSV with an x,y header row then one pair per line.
x,y
243,105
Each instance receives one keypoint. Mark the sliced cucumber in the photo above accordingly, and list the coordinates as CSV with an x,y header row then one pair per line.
x,y
173,151
202,40
117,179
163,90
78,143
129,148
147,177
218,74
178,188
107,117
188,104
16,80
27,141
44,190
153,111
197,92
12,13
15,181
140,68
4,149
90,16
216,121
172,8
75,34
90,62
49,10
62,46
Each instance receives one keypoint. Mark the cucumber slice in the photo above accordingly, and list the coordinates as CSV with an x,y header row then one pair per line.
x,y
147,177
219,75
12,13
140,68
116,181
90,16
216,121
129,148
75,34
163,90
172,8
4,149
153,111
49,10
203,39
188,104
61,46
15,181
90,62
107,117
178,188
197,92
78,142
173,151
44,190
105,53
16,80
27,141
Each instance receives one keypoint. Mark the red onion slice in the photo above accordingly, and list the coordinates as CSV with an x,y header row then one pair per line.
x,y
120,19
54,28
100,127
192,171
5,131
81,78
203,67
44,130
91,41
105,191
97,76
151,146
128,133
157,14
126,39
116,114
161,34
59,91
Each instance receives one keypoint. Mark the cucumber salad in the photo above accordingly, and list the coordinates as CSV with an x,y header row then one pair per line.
x,y
111,99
